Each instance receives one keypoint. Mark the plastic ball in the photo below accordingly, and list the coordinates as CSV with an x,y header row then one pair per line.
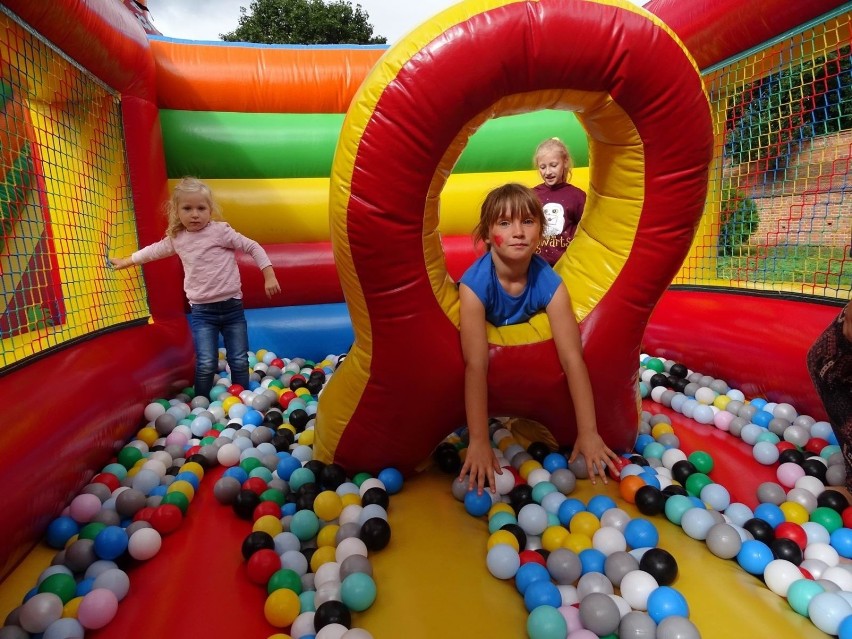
x,y
660,564
636,587
477,504
779,575
39,611
564,566
724,541
375,533
599,614
800,593
827,610
358,591
503,561
637,625
281,608
97,609
676,627
144,544
754,556
641,533
666,602
546,622
542,593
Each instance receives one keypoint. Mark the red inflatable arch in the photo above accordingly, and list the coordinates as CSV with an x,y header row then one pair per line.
x,y
400,391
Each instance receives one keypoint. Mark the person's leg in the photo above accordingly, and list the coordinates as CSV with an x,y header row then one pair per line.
x,y
205,335
235,334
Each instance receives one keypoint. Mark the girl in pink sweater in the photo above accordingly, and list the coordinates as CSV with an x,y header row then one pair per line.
x,y
205,246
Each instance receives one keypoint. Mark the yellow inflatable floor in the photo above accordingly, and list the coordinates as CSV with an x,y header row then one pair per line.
x,y
432,579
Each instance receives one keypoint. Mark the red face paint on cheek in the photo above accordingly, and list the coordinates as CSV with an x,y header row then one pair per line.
x,y
498,241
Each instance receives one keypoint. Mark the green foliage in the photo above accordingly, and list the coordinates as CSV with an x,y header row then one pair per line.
x,y
769,118
739,217
820,266
303,22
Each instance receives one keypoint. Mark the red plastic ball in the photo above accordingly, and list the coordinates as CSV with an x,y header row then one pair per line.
x,y
212,433
620,462
805,573
255,485
262,565
792,531
235,390
277,362
266,508
107,479
531,556
782,446
286,397
144,514
846,515
815,445
166,518
192,450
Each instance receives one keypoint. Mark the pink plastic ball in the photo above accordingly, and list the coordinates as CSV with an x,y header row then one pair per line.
x,y
84,507
723,420
582,634
97,609
572,618
788,473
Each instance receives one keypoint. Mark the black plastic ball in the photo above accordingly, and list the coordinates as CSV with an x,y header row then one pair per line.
x,y
833,499
660,564
255,541
306,495
682,470
678,370
244,504
201,460
638,460
520,496
375,533
282,440
815,468
330,612
314,386
273,417
299,418
679,384
650,500
658,379
315,374
674,489
518,532
376,495
786,549
315,466
447,459
760,530
332,476
538,451
296,382
791,455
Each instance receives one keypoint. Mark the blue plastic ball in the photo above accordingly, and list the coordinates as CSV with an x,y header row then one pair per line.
x,y
392,479
641,533
599,504
664,602
592,560
60,530
528,573
542,593
237,473
650,479
770,513
569,508
554,461
754,556
477,504
286,467
841,541
111,542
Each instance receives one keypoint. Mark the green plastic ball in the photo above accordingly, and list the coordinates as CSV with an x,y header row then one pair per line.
x,y
284,578
696,482
702,461
827,517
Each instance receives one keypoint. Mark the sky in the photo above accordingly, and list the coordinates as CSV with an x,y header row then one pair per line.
x,y
207,19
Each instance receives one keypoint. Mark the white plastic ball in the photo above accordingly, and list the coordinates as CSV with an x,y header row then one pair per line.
x,y
779,574
532,519
636,587
609,540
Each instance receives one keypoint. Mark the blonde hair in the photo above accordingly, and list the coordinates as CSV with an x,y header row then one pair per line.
x,y
555,144
513,200
183,187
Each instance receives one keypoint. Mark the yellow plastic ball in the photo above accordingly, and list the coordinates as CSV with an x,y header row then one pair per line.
x,y
554,537
307,437
794,512
327,535
70,608
328,505
584,523
500,507
258,355
322,556
289,427
282,607
721,402
182,486
269,524
301,391
661,429
528,466
148,435
577,542
194,468
228,402
349,499
503,537
504,443
279,635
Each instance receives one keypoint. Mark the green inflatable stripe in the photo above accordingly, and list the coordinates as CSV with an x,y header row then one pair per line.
x,y
225,145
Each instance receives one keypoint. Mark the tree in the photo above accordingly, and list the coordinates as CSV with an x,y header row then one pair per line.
x,y
303,22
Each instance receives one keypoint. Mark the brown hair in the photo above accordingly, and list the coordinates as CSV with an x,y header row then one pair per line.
x,y
513,200
555,144
184,186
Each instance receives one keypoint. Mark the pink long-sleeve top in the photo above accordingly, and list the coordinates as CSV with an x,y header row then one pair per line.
x,y
209,265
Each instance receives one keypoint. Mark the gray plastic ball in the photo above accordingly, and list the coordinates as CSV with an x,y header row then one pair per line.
x,y
669,440
734,406
747,411
666,398
694,377
460,488
599,614
724,541
619,564
65,628
564,566
676,627
578,467
637,625
660,418
347,530
226,490
165,424
736,426
720,386
835,475
101,491
593,582
690,389
770,492
80,555
353,564
564,480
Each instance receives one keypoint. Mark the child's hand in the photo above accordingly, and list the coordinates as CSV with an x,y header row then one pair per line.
x,y
597,455
480,463
270,283
119,263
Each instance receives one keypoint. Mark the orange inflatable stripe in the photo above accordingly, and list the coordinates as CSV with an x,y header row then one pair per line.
x,y
259,78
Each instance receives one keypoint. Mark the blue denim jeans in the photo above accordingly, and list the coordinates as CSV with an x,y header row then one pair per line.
x,y
207,322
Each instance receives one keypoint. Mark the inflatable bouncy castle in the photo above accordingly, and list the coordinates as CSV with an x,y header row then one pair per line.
x,y
712,140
